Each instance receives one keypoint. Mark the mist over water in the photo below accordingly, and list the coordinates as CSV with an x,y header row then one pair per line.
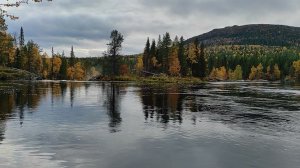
x,y
93,124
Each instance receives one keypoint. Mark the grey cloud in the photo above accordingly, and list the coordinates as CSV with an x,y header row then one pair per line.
x,y
219,7
87,24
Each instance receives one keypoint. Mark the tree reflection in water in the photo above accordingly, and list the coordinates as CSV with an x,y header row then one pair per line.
x,y
163,104
113,103
16,98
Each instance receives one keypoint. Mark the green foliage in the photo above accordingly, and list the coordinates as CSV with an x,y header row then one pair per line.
x,y
114,48
146,56
166,44
247,56
182,57
63,68
202,62
72,57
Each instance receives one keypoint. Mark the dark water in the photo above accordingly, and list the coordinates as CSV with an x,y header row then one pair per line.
x,y
105,125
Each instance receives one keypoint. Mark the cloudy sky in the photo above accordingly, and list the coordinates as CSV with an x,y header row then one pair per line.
x,y
87,24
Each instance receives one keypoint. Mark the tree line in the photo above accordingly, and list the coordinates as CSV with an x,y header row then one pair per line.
x,y
178,58
17,53
174,58
221,62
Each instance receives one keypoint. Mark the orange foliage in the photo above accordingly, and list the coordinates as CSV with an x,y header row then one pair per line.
x,y
56,64
218,74
174,67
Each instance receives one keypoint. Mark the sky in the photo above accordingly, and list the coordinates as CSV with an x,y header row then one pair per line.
x,y
86,24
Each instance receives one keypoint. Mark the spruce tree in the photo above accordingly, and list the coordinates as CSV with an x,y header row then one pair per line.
x,y
176,41
202,62
166,44
152,55
52,64
159,54
153,48
22,50
72,57
146,56
195,65
30,45
63,68
22,39
182,57
18,59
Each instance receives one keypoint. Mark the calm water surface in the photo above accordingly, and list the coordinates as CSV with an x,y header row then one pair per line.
x,y
123,125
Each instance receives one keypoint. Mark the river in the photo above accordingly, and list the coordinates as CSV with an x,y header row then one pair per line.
x,y
125,125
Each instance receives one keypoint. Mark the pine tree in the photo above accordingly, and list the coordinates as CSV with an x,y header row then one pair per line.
x,y
114,48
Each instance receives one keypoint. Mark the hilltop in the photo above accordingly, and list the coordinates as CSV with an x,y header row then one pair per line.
x,y
255,34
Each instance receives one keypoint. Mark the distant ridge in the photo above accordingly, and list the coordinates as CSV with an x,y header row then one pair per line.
x,y
254,34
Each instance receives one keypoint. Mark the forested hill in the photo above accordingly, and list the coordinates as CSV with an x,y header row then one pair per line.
x,y
256,34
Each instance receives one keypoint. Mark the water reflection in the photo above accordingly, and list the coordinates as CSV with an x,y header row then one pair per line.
x,y
2,130
113,106
90,124
162,105
230,104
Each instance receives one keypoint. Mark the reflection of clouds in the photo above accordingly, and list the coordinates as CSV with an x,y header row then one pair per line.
x,y
2,130
82,135
16,154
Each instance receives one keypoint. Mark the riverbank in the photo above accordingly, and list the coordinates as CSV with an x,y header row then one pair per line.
x,y
153,79
13,74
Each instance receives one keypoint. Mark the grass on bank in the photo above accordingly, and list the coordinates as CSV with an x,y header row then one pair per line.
x,y
13,74
156,79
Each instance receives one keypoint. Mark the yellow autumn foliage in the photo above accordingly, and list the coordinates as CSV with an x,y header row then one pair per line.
x,y
56,65
218,74
191,53
174,66
76,73
139,64
253,73
296,66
